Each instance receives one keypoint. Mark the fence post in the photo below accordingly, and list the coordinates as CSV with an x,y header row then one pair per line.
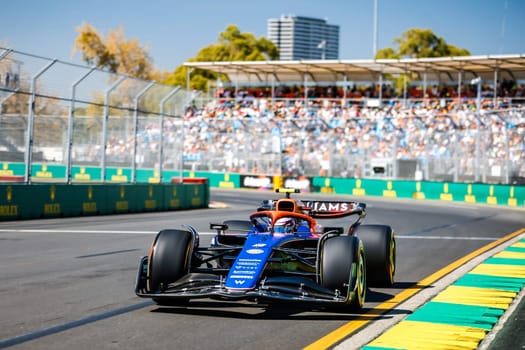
x,y
31,120
161,127
135,130
2,56
478,126
105,125
71,124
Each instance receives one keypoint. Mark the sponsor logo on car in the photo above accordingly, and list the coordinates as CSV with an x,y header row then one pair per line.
x,y
242,276
330,206
251,264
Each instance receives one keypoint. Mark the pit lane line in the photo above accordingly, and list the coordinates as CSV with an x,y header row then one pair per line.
x,y
357,333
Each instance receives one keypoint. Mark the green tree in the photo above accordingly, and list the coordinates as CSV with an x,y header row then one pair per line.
x,y
114,52
117,54
418,43
423,43
233,45
386,53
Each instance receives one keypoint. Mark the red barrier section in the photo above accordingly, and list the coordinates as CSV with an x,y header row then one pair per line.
x,y
11,178
190,180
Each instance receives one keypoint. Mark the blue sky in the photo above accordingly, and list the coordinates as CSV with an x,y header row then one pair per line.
x,y
176,30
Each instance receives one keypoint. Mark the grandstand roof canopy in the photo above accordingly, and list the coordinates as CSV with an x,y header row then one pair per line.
x,y
442,69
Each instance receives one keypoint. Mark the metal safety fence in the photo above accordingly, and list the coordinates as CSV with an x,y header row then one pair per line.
x,y
69,114
439,148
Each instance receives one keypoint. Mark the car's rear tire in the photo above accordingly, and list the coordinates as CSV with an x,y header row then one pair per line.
x,y
380,253
339,255
169,258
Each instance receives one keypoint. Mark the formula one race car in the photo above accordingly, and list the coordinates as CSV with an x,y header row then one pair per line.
x,y
280,253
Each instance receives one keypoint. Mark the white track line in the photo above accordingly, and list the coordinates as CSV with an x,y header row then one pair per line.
x,y
450,237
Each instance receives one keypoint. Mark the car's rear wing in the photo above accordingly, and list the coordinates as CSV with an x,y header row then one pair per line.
x,y
315,208
333,209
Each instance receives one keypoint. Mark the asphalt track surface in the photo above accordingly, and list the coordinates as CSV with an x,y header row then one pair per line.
x,y
69,283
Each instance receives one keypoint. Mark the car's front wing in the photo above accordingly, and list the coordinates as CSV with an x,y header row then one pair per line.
x,y
203,285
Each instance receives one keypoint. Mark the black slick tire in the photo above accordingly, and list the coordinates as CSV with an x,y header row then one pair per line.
x,y
380,254
169,258
343,268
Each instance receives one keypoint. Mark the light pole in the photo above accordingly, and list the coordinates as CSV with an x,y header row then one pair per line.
x,y
374,44
478,122
322,46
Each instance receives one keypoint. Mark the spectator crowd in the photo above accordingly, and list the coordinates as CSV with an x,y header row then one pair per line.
x,y
237,135
332,136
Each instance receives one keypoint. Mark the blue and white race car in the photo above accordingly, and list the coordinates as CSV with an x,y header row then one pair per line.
x,y
280,253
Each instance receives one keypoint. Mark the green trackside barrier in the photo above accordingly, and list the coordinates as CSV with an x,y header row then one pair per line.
x,y
85,173
362,187
47,171
12,169
220,180
57,173
507,195
194,195
79,174
43,200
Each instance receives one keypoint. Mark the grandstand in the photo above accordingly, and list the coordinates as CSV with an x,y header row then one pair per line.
x,y
459,71
461,119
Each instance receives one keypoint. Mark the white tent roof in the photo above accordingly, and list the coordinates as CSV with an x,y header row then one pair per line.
x,y
443,69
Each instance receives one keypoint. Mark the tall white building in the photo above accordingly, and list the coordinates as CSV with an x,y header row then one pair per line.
x,y
304,38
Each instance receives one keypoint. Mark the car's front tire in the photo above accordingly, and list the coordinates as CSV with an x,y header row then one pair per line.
x,y
169,258
343,268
